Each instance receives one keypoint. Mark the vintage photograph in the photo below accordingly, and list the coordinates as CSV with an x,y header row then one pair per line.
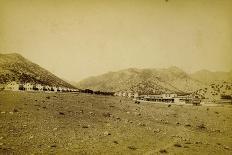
x,y
116,77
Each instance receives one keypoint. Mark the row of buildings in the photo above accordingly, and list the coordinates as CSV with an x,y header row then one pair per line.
x,y
172,98
14,86
165,98
126,94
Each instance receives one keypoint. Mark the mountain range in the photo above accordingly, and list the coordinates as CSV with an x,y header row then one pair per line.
x,y
154,81
14,67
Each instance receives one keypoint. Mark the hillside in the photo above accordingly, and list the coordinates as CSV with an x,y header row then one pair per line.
x,y
209,77
144,81
14,67
217,84
215,90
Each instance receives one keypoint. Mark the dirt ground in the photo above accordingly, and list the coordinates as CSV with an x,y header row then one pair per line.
x,y
74,123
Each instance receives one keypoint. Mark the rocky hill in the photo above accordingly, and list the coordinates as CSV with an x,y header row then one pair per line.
x,y
144,81
216,90
209,77
218,84
14,67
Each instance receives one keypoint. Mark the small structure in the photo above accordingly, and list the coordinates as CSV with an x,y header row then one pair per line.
x,y
124,94
196,100
54,89
169,96
38,87
115,94
75,90
59,89
28,87
182,99
89,91
21,87
14,86
136,95
47,88
119,93
132,95
64,89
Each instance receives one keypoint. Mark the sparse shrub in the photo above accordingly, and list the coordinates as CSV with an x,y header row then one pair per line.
x,y
228,97
201,126
61,113
106,114
132,147
177,145
163,151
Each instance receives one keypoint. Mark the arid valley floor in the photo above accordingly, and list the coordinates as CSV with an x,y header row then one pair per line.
x,y
75,123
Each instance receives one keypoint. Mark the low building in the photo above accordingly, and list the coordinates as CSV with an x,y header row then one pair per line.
x,y
166,98
64,89
182,99
38,87
169,95
21,86
136,95
159,98
124,94
14,86
54,89
47,88
120,94
196,101
132,95
28,87
59,89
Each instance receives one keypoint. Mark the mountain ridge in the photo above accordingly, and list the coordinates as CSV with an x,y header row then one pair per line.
x,y
15,67
148,80
209,77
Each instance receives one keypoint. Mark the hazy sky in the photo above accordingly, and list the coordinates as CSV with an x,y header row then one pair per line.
x,y
75,39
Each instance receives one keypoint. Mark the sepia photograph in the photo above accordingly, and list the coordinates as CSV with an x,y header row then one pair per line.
x,y
116,77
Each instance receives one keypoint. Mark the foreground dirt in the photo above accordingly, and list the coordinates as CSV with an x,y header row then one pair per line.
x,y
59,123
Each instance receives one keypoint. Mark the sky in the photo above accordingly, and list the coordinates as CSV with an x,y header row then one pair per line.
x,y
75,39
